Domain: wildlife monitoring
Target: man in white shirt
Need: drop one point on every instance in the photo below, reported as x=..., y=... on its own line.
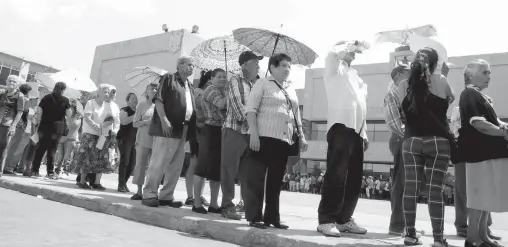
x=347, y=140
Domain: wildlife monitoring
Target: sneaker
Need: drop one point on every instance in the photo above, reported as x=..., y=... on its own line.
x=189, y=201
x=204, y=202
x=351, y=227
x=329, y=230
x=200, y=210
x=230, y=213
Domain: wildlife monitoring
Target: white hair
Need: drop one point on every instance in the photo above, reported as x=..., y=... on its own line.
x=101, y=87
x=15, y=77
x=183, y=59
x=473, y=67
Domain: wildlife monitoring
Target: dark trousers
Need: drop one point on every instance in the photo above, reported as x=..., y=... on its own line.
x=343, y=178
x=28, y=156
x=48, y=143
x=397, y=191
x=269, y=161
x=4, y=141
x=127, y=159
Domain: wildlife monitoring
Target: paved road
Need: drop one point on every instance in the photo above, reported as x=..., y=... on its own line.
x=26, y=221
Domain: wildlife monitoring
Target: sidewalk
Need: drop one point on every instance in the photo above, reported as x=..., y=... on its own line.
x=299, y=211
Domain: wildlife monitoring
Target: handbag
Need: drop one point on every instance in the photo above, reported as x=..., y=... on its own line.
x=454, y=147
x=60, y=127
x=294, y=149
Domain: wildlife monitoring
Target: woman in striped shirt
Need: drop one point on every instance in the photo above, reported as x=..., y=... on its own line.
x=274, y=127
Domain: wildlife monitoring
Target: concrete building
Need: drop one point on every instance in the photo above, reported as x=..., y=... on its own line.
x=378, y=158
x=10, y=65
x=111, y=61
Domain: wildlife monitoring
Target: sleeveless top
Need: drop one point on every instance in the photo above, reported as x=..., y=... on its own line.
x=127, y=131
x=429, y=120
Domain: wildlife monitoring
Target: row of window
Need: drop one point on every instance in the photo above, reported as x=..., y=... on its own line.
x=376, y=132
x=6, y=71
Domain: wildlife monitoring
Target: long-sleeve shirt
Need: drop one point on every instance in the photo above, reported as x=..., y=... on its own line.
x=346, y=93
x=274, y=116
x=237, y=92
x=393, y=111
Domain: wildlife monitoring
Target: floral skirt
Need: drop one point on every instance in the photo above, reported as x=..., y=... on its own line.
x=89, y=159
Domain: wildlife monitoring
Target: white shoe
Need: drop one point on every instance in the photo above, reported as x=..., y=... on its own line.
x=351, y=227
x=329, y=230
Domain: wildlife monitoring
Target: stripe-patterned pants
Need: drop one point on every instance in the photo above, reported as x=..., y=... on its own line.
x=425, y=157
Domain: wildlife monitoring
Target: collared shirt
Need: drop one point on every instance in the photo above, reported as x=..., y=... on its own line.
x=177, y=97
x=237, y=92
x=393, y=110
x=211, y=97
x=274, y=116
x=346, y=93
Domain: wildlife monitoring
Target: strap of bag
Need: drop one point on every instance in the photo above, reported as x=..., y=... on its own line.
x=289, y=104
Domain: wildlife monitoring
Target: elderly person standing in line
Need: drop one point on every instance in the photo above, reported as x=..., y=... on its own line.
x=173, y=122
x=234, y=132
x=12, y=104
x=483, y=146
x=275, y=134
x=126, y=140
x=347, y=141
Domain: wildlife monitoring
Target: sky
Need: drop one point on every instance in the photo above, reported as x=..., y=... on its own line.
x=64, y=33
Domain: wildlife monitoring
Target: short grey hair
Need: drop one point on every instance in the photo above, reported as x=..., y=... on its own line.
x=472, y=68
x=184, y=59
x=102, y=87
x=15, y=77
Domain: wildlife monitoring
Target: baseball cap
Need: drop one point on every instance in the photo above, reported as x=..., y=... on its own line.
x=246, y=56
x=399, y=68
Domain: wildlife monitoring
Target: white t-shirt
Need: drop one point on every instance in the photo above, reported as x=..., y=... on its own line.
x=99, y=113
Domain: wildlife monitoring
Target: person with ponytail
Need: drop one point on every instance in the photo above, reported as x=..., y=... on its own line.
x=425, y=98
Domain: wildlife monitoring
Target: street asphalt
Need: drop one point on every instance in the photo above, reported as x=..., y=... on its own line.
x=28, y=221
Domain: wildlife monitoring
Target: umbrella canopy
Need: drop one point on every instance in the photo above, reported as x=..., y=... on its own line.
x=75, y=80
x=402, y=36
x=220, y=52
x=139, y=77
x=267, y=43
x=46, y=80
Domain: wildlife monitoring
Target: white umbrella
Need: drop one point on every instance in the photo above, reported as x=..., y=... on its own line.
x=75, y=80
x=45, y=80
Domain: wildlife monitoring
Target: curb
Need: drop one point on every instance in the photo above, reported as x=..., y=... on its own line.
x=222, y=231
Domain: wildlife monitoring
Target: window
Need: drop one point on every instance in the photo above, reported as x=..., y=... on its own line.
x=4, y=73
x=14, y=72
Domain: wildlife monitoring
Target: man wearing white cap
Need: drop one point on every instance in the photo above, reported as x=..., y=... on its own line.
x=347, y=140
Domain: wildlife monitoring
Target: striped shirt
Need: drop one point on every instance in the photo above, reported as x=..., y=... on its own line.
x=237, y=92
x=274, y=116
x=211, y=97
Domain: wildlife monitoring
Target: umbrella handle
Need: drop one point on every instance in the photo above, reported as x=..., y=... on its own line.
x=274, y=47
x=225, y=58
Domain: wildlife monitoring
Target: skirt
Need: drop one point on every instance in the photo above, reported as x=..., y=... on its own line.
x=209, y=157
x=487, y=185
x=89, y=159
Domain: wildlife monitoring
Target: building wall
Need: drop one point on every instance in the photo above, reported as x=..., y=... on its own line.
x=10, y=65
x=377, y=77
x=111, y=61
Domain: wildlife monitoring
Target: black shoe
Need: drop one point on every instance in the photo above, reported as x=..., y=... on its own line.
x=151, y=202
x=257, y=225
x=27, y=174
x=51, y=176
x=7, y=172
x=98, y=187
x=200, y=210
x=136, y=197
x=277, y=225
x=171, y=203
x=469, y=244
x=189, y=201
x=214, y=210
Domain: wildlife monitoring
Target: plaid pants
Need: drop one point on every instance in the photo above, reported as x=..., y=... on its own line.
x=425, y=158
